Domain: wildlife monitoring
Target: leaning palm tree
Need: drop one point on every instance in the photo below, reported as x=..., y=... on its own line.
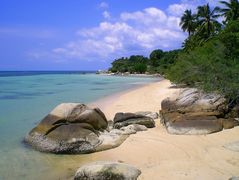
x=188, y=22
x=207, y=19
x=231, y=10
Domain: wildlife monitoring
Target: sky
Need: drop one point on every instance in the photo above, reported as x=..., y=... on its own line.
x=87, y=34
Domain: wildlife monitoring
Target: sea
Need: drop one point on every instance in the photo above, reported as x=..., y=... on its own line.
x=27, y=96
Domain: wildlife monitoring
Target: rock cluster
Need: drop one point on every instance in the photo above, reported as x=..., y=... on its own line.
x=73, y=128
x=194, y=112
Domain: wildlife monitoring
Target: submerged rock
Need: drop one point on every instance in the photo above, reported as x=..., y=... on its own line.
x=69, y=128
x=193, y=113
x=125, y=119
x=104, y=170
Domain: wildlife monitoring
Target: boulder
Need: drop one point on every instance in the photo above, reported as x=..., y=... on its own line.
x=153, y=115
x=125, y=119
x=111, y=139
x=104, y=170
x=177, y=123
x=115, y=137
x=193, y=100
x=193, y=112
x=70, y=128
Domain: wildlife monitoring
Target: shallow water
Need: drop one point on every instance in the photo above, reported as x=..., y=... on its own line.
x=26, y=98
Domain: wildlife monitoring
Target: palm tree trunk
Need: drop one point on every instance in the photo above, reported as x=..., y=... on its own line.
x=208, y=28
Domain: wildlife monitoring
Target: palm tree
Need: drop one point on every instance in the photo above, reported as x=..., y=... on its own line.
x=231, y=10
x=188, y=22
x=207, y=19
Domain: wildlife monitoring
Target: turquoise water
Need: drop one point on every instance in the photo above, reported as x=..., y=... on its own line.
x=26, y=98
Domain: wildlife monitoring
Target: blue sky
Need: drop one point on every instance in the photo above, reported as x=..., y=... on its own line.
x=86, y=34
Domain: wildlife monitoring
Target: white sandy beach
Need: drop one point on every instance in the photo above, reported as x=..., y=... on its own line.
x=156, y=153
x=160, y=155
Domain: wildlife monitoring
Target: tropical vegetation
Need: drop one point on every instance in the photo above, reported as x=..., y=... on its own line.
x=209, y=58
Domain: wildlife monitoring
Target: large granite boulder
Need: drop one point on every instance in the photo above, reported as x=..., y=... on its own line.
x=193, y=100
x=104, y=170
x=69, y=128
x=194, y=112
x=125, y=119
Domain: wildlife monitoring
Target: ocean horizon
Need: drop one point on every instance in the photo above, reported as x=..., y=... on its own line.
x=42, y=72
x=27, y=96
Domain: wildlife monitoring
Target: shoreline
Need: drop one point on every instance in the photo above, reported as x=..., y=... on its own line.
x=103, y=102
x=156, y=153
x=144, y=102
x=131, y=75
x=160, y=155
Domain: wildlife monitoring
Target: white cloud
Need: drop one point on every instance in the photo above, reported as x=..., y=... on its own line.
x=104, y=5
x=106, y=15
x=136, y=32
x=147, y=16
x=178, y=9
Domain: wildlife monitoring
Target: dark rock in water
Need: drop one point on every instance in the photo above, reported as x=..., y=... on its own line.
x=194, y=112
x=69, y=128
x=125, y=119
x=104, y=170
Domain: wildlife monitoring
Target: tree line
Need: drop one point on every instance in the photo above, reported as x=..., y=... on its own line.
x=209, y=58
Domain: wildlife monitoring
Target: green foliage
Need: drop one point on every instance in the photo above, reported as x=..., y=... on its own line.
x=167, y=60
x=230, y=10
x=210, y=58
x=205, y=26
x=207, y=20
x=119, y=65
x=210, y=55
x=158, y=62
x=155, y=57
x=208, y=67
x=188, y=22
x=140, y=68
x=230, y=38
x=192, y=42
x=132, y=64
